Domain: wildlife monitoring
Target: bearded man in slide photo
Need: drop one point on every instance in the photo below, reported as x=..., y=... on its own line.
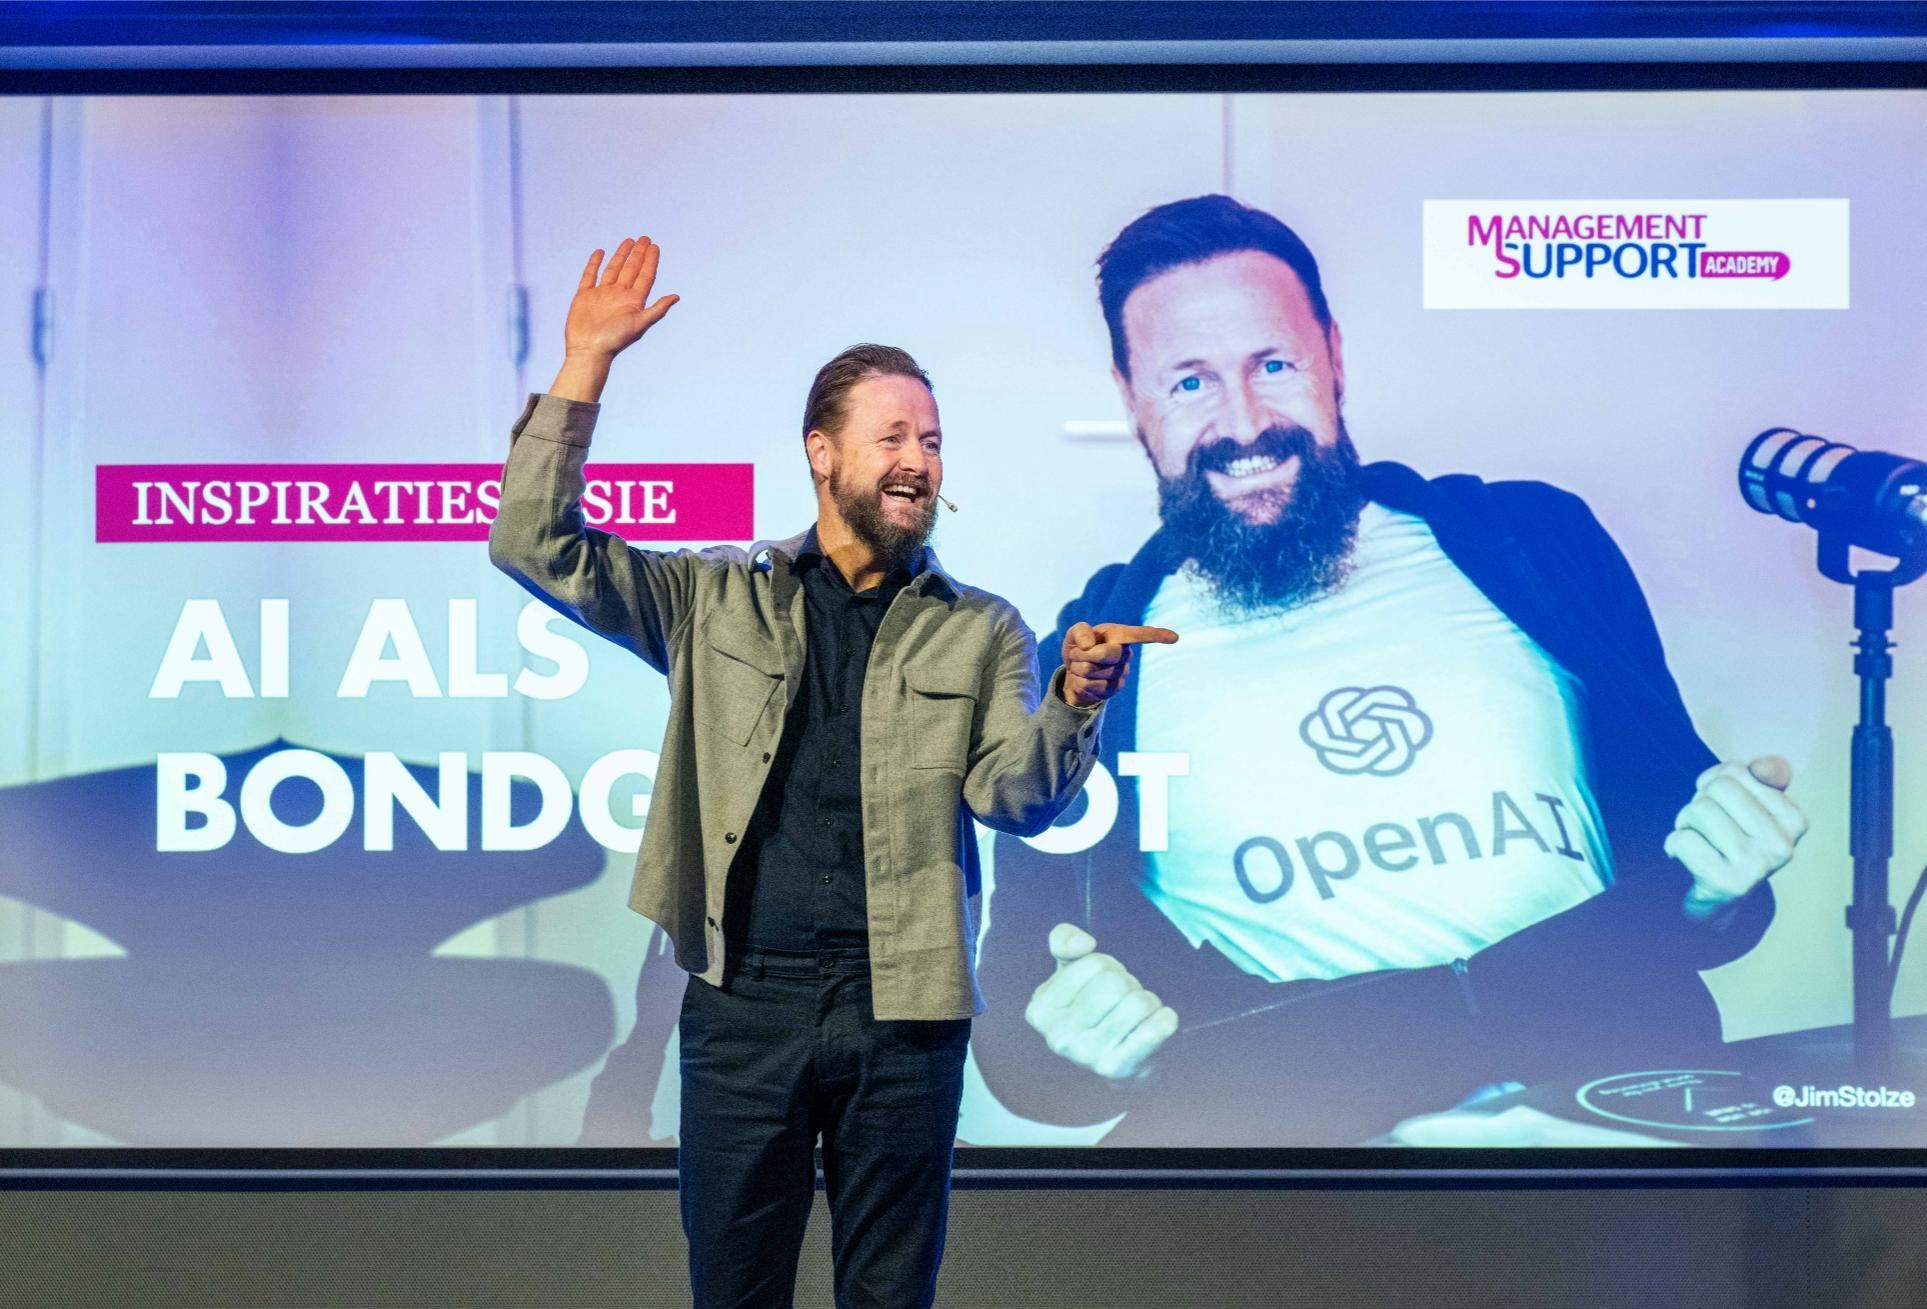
x=1415, y=812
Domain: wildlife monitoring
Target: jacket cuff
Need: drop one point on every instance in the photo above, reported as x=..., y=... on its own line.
x=1066, y=718
x=552, y=418
x=1753, y=914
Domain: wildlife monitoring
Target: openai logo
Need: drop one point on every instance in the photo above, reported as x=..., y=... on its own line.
x=1358, y=729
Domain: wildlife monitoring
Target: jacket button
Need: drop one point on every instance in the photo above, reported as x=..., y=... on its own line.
x=765, y=756
x=729, y=838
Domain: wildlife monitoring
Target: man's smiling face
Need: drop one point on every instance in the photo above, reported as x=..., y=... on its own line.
x=1231, y=368
x=887, y=465
x=1234, y=390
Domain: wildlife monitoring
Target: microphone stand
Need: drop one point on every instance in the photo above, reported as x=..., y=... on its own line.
x=1870, y=916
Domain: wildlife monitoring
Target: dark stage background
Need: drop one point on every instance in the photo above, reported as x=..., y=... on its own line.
x=1764, y=1247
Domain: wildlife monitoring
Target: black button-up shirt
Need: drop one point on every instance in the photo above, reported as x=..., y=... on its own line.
x=797, y=883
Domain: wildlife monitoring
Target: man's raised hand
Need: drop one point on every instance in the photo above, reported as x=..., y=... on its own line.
x=608, y=316
x=1097, y=659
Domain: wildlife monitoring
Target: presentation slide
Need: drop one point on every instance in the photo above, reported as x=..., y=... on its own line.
x=1497, y=792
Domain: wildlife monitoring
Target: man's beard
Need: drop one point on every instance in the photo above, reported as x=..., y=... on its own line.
x=894, y=544
x=1303, y=553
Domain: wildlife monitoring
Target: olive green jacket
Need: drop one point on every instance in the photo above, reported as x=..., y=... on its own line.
x=953, y=725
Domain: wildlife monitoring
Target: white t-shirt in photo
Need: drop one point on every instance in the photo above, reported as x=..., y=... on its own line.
x=1390, y=776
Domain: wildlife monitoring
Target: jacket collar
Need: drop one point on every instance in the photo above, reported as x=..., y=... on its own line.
x=1460, y=510
x=927, y=576
x=1467, y=538
x=1443, y=502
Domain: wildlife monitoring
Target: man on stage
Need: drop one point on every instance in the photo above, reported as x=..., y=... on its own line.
x=840, y=709
x=1416, y=810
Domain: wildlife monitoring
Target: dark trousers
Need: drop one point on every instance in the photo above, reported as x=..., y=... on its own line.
x=784, y=1051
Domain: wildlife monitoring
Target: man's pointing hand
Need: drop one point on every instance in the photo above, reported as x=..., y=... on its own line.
x=1097, y=659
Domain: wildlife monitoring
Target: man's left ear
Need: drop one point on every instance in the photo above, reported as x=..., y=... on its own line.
x=817, y=446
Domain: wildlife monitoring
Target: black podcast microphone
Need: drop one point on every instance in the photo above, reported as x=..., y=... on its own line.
x=1877, y=501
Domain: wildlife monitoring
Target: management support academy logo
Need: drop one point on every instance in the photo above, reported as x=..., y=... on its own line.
x=1635, y=254
x=1358, y=729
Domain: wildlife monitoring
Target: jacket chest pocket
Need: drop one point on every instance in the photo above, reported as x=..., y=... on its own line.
x=737, y=677
x=943, y=714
